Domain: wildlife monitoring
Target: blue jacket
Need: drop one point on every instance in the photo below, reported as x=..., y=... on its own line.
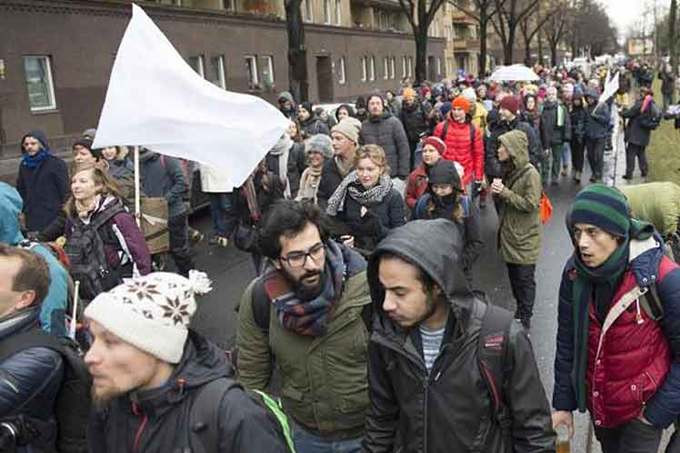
x=44, y=188
x=29, y=383
x=597, y=124
x=163, y=177
x=54, y=305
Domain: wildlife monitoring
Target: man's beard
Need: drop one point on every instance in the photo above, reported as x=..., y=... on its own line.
x=102, y=400
x=432, y=304
x=303, y=291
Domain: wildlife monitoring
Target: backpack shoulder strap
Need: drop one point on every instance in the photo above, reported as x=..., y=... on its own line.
x=492, y=351
x=204, y=414
x=651, y=303
x=107, y=215
x=31, y=339
x=276, y=408
x=261, y=305
x=445, y=130
x=473, y=131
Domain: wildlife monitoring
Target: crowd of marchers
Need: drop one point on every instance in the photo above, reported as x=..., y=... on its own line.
x=364, y=228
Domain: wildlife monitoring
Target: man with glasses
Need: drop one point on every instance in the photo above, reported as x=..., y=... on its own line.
x=311, y=310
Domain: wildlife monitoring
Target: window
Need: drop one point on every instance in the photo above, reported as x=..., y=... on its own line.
x=309, y=17
x=393, y=65
x=228, y=5
x=40, y=84
x=371, y=73
x=327, y=12
x=251, y=67
x=410, y=66
x=386, y=68
x=268, y=71
x=338, y=12
x=343, y=72
x=196, y=63
x=404, y=66
x=216, y=72
x=439, y=65
x=364, y=69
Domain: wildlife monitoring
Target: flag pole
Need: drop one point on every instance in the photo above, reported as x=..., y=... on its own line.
x=138, y=213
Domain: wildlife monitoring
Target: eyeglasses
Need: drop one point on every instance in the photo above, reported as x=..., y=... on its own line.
x=298, y=259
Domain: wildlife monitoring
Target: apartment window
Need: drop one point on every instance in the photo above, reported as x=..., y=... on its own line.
x=343, y=72
x=307, y=8
x=371, y=74
x=40, y=83
x=251, y=67
x=386, y=68
x=404, y=66
x=410, y=66
x=338, y=12
x=327, y=12
x=216, y=73
x=196, y=63
x=393, y=66
x=439, y=65
x=268, y=71
x=228, y=5
x=364, y=69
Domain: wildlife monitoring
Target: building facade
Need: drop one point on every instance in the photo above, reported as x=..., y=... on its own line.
x=56, y=56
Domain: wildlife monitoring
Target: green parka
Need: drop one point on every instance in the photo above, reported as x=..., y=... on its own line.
x=324, y=379
x=657, y=203
x=519, y=231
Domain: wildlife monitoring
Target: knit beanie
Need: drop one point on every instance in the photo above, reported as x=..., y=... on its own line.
x=469, y=95
x=319, y=143
x=444, y=109
x=308, y=106
x=437, y=143
x=349, y=127
x=89, y=133
x=87, y=143
x=510, y=103
x=444, y=172
x=461, y=103
x=602, y=206
x=409, y=94
x=152, y=312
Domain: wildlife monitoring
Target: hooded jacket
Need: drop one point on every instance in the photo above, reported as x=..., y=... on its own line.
x=292, y=113
x=158, y=420
x=54, y=306
x=519, y=230
x=597, y=122
x=388, y=132
x=414, y=118
x=412, y=411
x=499, y=127
x=162, y=176
x=43, y=188
x=635, y=133
x=459, y=147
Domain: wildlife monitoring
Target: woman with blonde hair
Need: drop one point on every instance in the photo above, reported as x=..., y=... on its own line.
x=365, y=204
x=103, y=241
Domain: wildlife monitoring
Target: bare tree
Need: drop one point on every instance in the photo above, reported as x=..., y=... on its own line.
x=297, y=51
x=483, y=13
x=556, y=27
x=510, y=14
x=531, y=25
x=672, y=17
x=420, y=14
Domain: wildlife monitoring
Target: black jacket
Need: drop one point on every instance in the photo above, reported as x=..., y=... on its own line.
x=634, y=132
x=551, y=133
x=158, y=420
x=578, y=117
x=330, y=180
x=667, y=82
x=414, y=120
x=296, y=165
x=492, y=165
x=446, y=410
x=313, y=126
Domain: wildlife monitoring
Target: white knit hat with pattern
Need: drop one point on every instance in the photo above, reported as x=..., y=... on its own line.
x=151, y=312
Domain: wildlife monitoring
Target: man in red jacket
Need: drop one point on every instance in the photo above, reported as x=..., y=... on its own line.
x=463, y=143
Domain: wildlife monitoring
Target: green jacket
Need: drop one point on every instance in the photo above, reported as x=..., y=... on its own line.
x=519, y=231
x=657, y=203
x=325, y=383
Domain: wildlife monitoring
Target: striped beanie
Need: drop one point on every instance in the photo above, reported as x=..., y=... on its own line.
x=602, y=206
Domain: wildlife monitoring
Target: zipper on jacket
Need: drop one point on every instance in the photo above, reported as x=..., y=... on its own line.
x=140, y=430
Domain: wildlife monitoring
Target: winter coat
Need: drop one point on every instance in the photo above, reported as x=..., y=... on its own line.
x=162, y=176
x=313, y=125
x=381, y=218
x=459, y=148
x=479, y=117
x=519, y=230
x=447, y=410
x=578, y=117
x=635, y=133
x=53, y=308
x=417, y=185
x=158, y=420
x=667, y=82
x=388, y=132
x=500, y=127
x=124, y=242
x=119, y=168
x=597, y=124
x=123, y=173
x=657, y=203
x=632, y=372
x=414, y=119
x=30, y=383
x=551, y=133
x=265, y=198
x=292, y=113
x=297, y=162
x=330, y=180
x=44, y=188
x=215, y=180
x=324, y=383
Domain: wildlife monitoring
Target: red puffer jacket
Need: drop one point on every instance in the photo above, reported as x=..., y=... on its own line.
x=632, y=361
x=460, y=149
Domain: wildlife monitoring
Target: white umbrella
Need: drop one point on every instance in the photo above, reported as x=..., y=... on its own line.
x=516, y=72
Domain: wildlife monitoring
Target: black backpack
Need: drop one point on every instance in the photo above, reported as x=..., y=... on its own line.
x=650, y=118
x=85, y=250
x=72, y=406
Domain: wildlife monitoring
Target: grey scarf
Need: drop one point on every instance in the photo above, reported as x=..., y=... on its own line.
x=364, y=197
x=282, y=149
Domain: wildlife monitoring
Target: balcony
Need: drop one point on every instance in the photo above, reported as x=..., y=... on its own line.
x=466, y=45
x=459, y=17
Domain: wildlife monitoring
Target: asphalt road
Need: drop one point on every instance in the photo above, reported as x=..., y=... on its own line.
x=232, y=270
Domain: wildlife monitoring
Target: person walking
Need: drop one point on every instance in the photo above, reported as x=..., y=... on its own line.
x=578, y=117
x=637, y=136
x=318, y=149
x=596, y=132
x=345, y=139
x=415, y=118
x=433, y=148
x=214, y=183
x=667, y=85
x=555, y=131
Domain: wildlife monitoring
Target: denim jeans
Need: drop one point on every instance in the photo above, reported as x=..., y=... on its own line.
x=632, y=437
x=309, y=443
x=222, y=214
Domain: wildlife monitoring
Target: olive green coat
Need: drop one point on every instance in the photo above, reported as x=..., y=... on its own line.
x=519, y=231
x=657, y=203
x=325, y=383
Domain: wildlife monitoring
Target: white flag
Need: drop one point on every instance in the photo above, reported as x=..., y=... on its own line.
x=156, y=100
x=610, y=88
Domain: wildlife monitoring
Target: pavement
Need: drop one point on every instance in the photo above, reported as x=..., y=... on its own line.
x=232, y=270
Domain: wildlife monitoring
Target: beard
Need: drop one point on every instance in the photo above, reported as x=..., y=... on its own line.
x=102, y=398
x=303, y=291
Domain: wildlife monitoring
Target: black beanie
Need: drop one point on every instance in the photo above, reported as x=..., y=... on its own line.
x=308, y=106
x=87, y=143
x=444, y=172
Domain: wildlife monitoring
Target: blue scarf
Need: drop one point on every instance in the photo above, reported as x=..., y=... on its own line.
x=33, y=161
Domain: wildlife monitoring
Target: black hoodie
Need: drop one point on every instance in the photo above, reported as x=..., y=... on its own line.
x=447, y=410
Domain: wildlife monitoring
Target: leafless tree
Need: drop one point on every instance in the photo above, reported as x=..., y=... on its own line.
x=532, y=24
x=297, y=51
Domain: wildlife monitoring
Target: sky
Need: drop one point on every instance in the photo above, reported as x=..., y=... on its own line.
x=624, y=13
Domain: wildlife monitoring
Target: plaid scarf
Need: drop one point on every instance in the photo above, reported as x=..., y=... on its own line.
x=308, y=317
x=351, y=186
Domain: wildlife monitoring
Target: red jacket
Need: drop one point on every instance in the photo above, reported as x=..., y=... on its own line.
x=460, y=149
x=633, y=358
x=416, y=187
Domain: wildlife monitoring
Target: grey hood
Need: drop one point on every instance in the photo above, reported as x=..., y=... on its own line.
x=436, y=247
